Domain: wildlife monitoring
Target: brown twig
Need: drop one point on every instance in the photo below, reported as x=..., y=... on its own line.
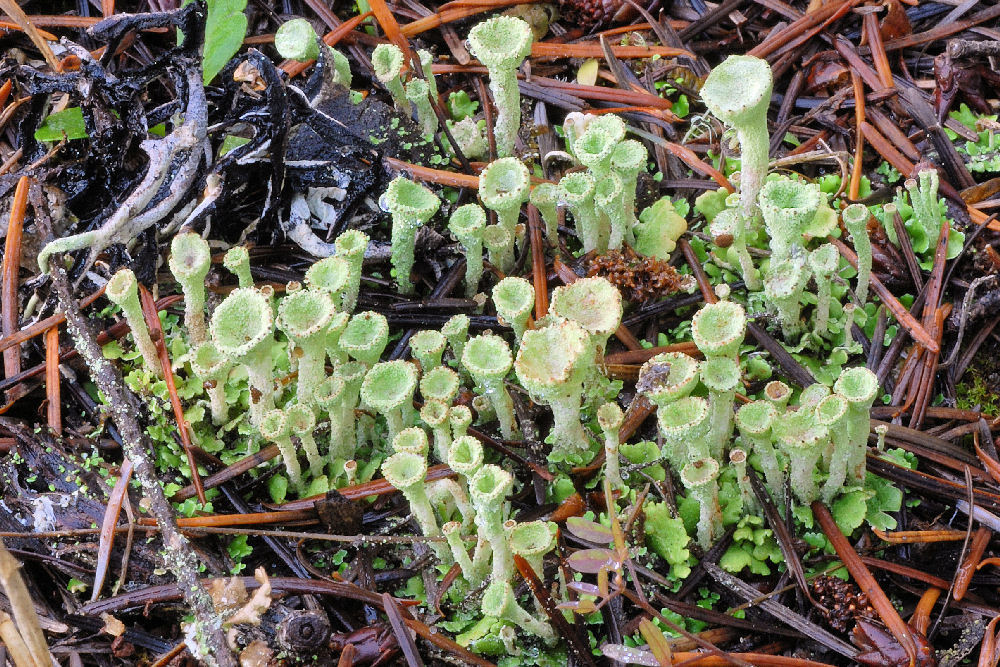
x=9, y=301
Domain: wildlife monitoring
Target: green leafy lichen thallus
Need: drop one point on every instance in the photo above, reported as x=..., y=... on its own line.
x=212, y=368
x=365, y=337
x=503, y=188
x=387, y=61
x=123, y=290
x=721, y=375
x=859, y=387
x=241, y=330
x=418, y=92
x=274, y=428
x=488, y=360
x=823, y=262
x=514, y=297
x=577, y=190
x=501, y=44
x=855, y=217
x=427, y=347
x=237, y=261
x=351, y=245
x=488, y=489
x=388, y=388
x=304, y=316
x=499, y=244
x=467, y=223
x=411, y=205
x=190, y=259
x=610, y=418
x=551, y=364
x=545, y=197
x=754, y=421
x=406, y=472
x=738, y=92
x=699, y=478
x=301, y=424
x=296, y=40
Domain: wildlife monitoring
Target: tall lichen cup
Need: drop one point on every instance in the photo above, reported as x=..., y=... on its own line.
x=488, y=360
x=406, y=471
x=514, y=298
x=388, y=387
x=123, y=290
x=411, y=205
x=387, y=61
x=788, y=206
x=190, y=259
x=699, y=478
x=304, y=317
x=503, y=188
x=351, y=245
x=856, y=218
x=365, y=337
x=718, y=328
x=859, y=386
x=467, y=224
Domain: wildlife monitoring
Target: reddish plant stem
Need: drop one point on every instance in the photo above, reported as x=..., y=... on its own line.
x=538, y=272
x=977, y=547
x=10, y=270
x=53, y=395
x=859, y=146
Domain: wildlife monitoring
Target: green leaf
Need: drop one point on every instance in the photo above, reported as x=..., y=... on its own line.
x=76, y=586
x=231, y=142
x=225, y=28
x=849, y=511
x=460, y=105
x=67, y=123
x=277, y=486
x=735, y=559
x=238, y=548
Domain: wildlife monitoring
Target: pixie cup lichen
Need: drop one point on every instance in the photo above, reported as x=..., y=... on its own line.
x=514, y=297
x=301, y=424
x=427, y=347
x=788, y=206
x=241, y=330
x=684, y=427
x=419, y=93
x=718, y=328
x=501, y=44
x=406, y=472
x=190, y=259
x=488, y=360
x=304, y=317
x=439, y=384
x=296, y=40
x=803, y=439
x=387, y=61
x=545, y=197
x=577, y=190
x=668, y=377
x=499, y=242
x=754, y=421
x=855, y=218
x=274, y=427
x=388, y=387
x=351, y=245
x=721, y=375
x=699, y=478
x=123, y=291
x=503, y=188
x=212, y=368
x=467, y=224
x=489, y=488
x=330, y=275
x=859, y=387
x=237, y=261
x=411, y=205
x=365, y=337
x=610, y=418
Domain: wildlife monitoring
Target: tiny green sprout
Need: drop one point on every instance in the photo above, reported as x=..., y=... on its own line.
x=777, y=394
x=212, y=368
x=190, y=259
x=460, y=418
x=684, y=426
x=427, y=347
x=467, y=224
x=304, y=317
x=788, y=206
x=365, y=337
x=832, y=413
x=610, y=418
x=274, y=428
x=123, y=290
x=783, y=287
x=545, y=197
x=439, y=384
x=823, y=261
x=456, y=330
x=500, y=244
x=531, y=540
x=503, y=188
x=411, y=205
x=859, y=387
x=241, y=328
x=453, y=533
x=514, y=298
x=721, y=375
x=738, y=92
x=296, y=40
x=577, y=190
x=413, y=440
x=388, y=387
x=699, y=478
x=301, y=424
x=406, y=471
x=803, y=438
x=855, y=218
x=351, y=245
x=434, y=413
x=608, y=197
x=488, y=360
x=418, y=92
x=330, y=275
x=667, y=377
x=498, y=602
x=718, y=328
x=387, y=61
x=488, y=489
x=501, y=44
x=237, y=261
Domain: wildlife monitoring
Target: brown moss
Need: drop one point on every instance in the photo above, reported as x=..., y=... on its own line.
x=638, y=278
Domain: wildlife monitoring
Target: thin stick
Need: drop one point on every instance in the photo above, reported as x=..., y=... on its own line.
x=23, y=608
x=52, y=388
x=11, y=268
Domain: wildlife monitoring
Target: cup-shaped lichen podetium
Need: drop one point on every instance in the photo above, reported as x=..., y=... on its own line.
x=411, y=205
x=406, y=471
x=738, y=92
x=296, y=40
x=123, y=290
x=304, y=317
x=190, y=259
x=627, y=160
x=718, y=329
x=754, y=420
x=365, y=337
x=577, y=189
x=330, y=275
x=274, y=428
x=531, y=540
x=413, y=440
x=777, y=394
x=594, y=148
x=351, y=245
x=667, y=377
x=684, y=426
x=831, y=412
x=783, y=287
x=503, y=188
x=427, y=347
x=465, y=456
x=610, y=418
x=488, y=360
x=467, y=224
x=212, y=368
x=545, y=197
x=721, y=375
x=498, y=602
x=388, y=388
x=551, y=364
x=237, y=261
x=514, y=298
x=608, y=195
x=241, y=329
x=456, y=330
x=301, y=424
x=803, y=439
x=858, y=386
x=856, y=218
x=823, y=262
x=489, y=489
x=419, y=93
x=387, y=61
x=593, y=303
x=788, y=206
x=439, y=384
x=500, y=244
x=434, y=413
x=501, y=44
x=699, y=478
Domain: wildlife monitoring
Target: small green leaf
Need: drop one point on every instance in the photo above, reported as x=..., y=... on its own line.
x=461, y=106
x=277, y=486
x=67, y=123
x=76, y=586
x=225, y=28
x=849, y=511
x=231, y=142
